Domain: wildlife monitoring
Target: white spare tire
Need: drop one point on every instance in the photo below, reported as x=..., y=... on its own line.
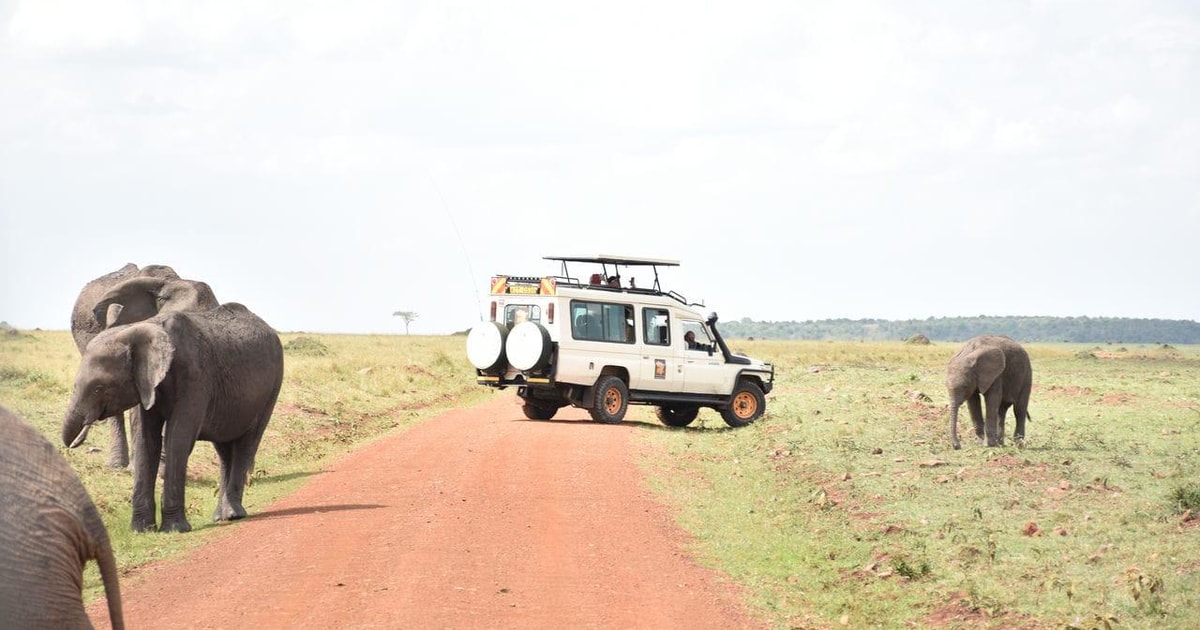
x=485, y=346
x=528, y=346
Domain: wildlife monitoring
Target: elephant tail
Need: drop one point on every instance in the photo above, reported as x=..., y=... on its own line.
x=112, y=588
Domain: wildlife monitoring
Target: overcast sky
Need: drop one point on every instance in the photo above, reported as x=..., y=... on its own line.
x=329, y=163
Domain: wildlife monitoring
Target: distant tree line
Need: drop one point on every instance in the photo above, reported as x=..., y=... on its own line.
x=1026, y=329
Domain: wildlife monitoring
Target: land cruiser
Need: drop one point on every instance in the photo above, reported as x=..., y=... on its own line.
x=605, y=343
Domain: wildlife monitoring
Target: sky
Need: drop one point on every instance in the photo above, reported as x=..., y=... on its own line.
x=330, y=163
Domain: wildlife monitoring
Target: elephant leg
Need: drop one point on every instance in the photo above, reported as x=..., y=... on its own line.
x=177, y=449
x=237, y=463
x=991, y=421
x=146, y=430
x=1003, y=417
x=973, y=405
x=229, y=507
x=1021, y=411
x=118, y=443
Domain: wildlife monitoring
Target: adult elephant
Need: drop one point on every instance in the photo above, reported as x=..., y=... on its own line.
x=49, y=529
x=85, y=326
x=209, y=375
x=998, y=369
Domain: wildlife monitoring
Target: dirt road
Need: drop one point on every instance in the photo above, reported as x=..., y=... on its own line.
x=477, y=518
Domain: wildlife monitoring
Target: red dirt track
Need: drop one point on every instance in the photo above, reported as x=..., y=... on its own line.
x=477, y=518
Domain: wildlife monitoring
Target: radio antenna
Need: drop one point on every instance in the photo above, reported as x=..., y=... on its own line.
x=461, y=245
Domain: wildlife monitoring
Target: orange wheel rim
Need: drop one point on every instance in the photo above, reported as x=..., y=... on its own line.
x=612, y=400
x=744, y=405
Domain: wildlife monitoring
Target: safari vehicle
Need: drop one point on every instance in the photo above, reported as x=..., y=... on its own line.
x=604, y=343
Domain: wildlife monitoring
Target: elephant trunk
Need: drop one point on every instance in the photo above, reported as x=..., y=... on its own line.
x=75, y=428
x=955, y=402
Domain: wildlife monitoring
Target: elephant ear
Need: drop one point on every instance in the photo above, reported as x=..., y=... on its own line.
x=186, y=295
x=989, y=365
x=138, y=296
x=151, y=350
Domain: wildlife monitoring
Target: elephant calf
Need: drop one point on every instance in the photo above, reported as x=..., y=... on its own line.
x=49, y=529
x=997, y=368
x=212, y=375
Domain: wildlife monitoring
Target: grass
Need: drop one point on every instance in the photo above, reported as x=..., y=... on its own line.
x=843, y=507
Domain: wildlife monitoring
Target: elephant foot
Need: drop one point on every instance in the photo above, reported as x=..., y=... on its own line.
x=228, y=513
x=118, y=463
x=180, y=526
x=143, y=525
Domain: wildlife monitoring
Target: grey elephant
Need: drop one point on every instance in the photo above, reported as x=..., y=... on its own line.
x=125, y=296
x=998, y=369
x=209, y=375
x=49, y=529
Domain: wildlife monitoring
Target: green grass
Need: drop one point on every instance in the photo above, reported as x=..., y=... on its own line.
x=847, y=504
x=843, y=507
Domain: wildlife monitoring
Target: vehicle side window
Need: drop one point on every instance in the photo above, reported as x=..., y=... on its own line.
x=602, y=321
x=695, y=336
x=516, y=313
x=656, y=326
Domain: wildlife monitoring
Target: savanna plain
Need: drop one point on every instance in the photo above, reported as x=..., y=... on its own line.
x=844, y=506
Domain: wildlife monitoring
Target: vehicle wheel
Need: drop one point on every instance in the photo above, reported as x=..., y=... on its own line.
x=485, y=346
x=611, y=401
x=746, y=405
x=539, y=412
x=528, y=346
x=677, y=415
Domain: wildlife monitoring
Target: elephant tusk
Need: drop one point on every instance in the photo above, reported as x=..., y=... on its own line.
x=82, y=435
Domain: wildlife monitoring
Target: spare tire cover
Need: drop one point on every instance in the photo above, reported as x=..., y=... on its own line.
x=485, y=346
x=528, y=346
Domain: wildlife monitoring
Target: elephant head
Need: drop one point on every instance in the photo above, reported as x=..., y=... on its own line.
x=120, y=368
x=143, y=297
x=49, y=530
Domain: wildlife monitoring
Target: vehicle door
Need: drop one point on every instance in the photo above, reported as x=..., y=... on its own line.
x=702, y=365
x=659, y=369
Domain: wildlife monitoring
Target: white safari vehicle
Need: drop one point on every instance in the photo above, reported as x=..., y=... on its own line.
x=605, y=342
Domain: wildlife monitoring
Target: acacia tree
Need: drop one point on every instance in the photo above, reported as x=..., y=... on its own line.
x=407, y=316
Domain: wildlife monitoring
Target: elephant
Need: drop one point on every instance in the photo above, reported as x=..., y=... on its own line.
x=125, y=296
x=997, y=368
x=85, y=326
x=193, y=375
x=49, y=530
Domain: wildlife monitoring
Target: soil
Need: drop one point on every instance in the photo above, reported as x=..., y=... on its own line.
x=477, y=518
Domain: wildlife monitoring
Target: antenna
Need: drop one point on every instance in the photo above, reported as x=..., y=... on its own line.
x=458, y=235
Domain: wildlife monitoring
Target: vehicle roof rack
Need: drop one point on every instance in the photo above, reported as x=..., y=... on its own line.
x=606, y=259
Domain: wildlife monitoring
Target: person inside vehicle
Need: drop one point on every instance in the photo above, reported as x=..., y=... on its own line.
x=614, y=282
x=690, y=338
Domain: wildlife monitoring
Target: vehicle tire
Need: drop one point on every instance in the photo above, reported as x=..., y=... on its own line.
x=677, y=415
x=611, y=400
x=539, y=412
x=485, y=347
x=528, y=346
x=745, y=406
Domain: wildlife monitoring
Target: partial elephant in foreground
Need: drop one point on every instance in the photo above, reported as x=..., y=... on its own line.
x=130, y=295
x=49, y=529
x=998, y=369
x=211, y=375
